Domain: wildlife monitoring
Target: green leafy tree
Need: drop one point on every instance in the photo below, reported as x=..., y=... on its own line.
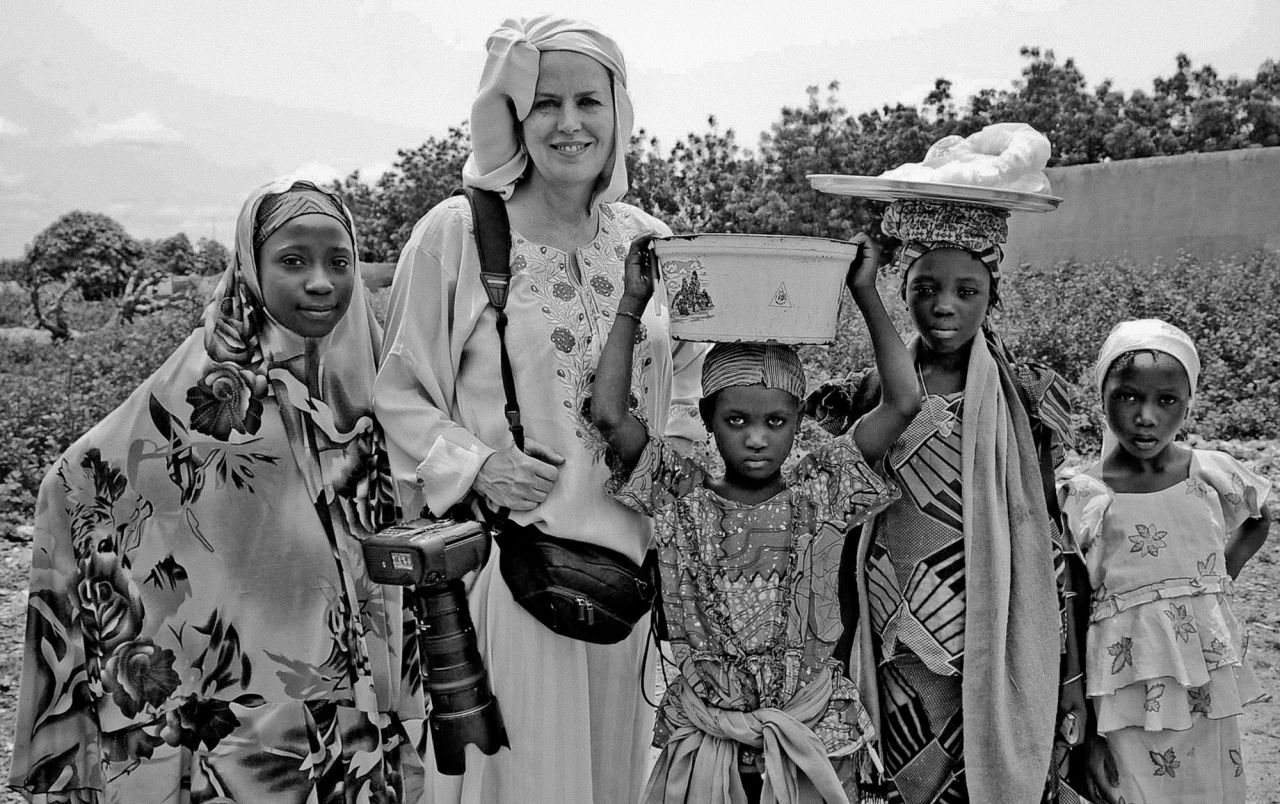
x=654, y=187
x=386, y=210
x=211, y=257
x=88, y=249
x=717, y=182
x=710, y=181
x=172, y=255
x=81, y=251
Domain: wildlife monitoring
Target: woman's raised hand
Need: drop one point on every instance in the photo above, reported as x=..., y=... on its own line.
x=640, y=274
x=862, y=271
x=518, y=480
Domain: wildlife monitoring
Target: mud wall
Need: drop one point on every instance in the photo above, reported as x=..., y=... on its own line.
x=1214, y=205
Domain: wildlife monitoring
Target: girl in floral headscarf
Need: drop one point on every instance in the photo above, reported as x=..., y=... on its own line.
x=200, y=622
x=952, y=594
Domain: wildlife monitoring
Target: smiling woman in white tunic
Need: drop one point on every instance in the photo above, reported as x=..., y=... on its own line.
x=550, y=128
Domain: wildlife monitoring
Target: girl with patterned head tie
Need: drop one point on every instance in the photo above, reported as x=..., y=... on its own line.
x=950, y=597
x=1164, y=530
x=550, y=127
x=759, y=710
x=200, y=625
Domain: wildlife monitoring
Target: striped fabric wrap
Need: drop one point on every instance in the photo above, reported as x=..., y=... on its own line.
x=772, y=365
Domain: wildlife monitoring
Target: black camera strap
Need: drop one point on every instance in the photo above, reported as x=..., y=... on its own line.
x=493, y=243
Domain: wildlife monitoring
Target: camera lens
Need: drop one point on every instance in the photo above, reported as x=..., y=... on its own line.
x=463, y=709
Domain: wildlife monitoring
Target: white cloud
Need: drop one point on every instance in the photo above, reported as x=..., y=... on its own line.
x=26, y=198
x=371, y=173
x=318, y=172
x=8, y=180
x=143, y=128
x=8, y=128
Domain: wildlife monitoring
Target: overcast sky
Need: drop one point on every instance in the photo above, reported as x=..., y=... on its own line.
x=165, y=114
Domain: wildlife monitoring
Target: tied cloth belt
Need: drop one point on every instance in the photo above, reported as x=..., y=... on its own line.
x=700, y=762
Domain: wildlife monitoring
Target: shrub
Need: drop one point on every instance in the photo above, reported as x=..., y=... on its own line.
x=50, y=394
x=1230, y=308
x=1060, y=315
x=15, y=306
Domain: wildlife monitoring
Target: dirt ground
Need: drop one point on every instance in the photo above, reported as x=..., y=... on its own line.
x=1257, y=605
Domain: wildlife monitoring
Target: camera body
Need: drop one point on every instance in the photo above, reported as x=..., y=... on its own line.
x=426, y=552
x=430, y=558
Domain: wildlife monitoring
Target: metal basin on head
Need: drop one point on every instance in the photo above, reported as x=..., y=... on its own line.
x=740, y=287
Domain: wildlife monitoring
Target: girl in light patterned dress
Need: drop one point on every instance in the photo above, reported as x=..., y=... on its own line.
x=1164, y=530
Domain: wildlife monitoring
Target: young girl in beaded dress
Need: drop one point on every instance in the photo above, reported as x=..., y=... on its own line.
x=749, y=561
x=1164, y=530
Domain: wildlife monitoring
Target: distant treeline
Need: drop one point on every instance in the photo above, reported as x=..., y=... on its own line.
x=711, y=182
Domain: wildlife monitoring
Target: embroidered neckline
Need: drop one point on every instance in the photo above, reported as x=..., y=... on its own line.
x=603, y=228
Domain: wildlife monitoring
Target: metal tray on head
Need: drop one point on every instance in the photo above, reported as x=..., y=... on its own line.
x=878, y=188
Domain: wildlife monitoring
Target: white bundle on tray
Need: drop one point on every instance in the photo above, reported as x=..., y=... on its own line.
x=1004, y=156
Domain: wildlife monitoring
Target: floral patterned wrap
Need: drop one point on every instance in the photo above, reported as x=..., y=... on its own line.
x=200, y=624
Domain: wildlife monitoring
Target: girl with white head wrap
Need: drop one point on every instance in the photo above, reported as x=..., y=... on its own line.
x=1144, y=334
x=578, y=725
x=1164, y=529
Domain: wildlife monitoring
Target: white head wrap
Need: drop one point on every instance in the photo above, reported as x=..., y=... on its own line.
x=497, y=159
x=1145, y=334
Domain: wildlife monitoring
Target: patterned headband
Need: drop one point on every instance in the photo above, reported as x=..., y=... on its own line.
x=277, y=210
x=769, y=364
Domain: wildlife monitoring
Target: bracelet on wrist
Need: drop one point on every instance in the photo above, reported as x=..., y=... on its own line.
x=1073, y=679
x=629, y=314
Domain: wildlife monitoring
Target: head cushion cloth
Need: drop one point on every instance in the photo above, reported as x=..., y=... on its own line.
x=923, y=226
x=498, y=160
x=771, y=365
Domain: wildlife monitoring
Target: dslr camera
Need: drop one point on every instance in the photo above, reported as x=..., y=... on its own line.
x=431, y=556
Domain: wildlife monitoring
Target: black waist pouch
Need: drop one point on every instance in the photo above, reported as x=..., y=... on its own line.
x=579, y=590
